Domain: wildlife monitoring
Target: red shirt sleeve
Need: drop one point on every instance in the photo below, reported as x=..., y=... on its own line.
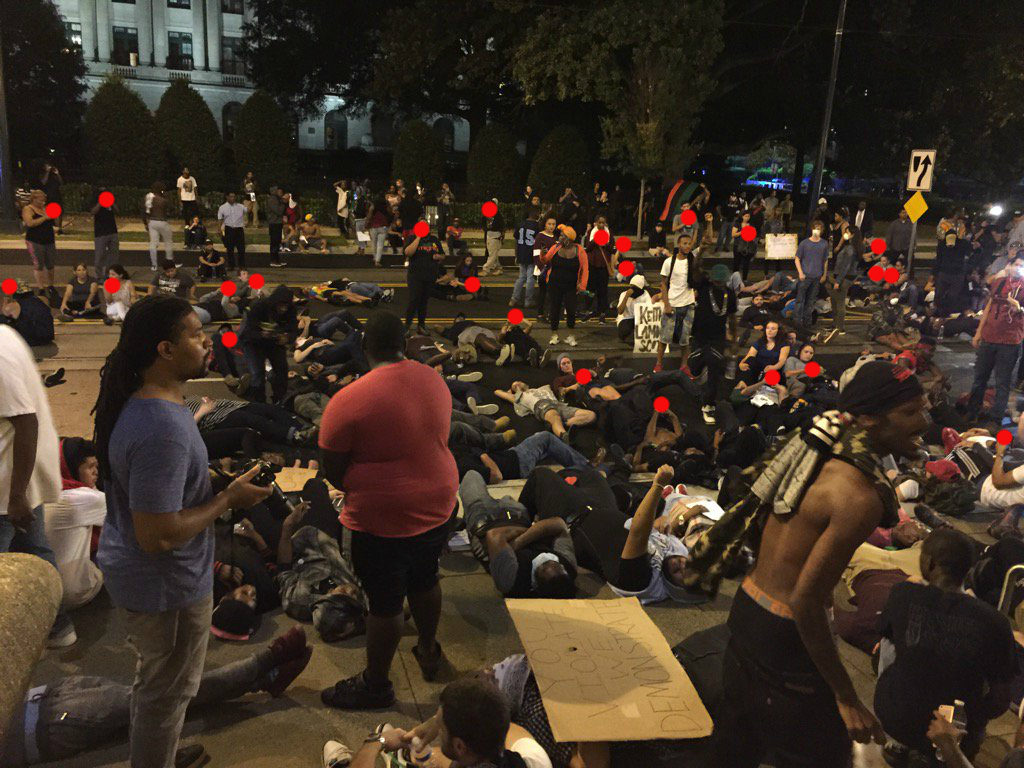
x=337, y=427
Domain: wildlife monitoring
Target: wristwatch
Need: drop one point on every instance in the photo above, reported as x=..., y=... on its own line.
x=374, y=737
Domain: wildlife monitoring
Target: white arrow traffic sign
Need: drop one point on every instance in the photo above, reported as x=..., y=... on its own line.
x=921, y=171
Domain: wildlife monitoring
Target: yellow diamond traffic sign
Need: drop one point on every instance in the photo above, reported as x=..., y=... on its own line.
x=915, y=206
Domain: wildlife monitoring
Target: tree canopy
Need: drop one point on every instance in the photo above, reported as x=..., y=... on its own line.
x=43, y=76
x=418, y=155
x=493, y=167
x=264, y=143
x=120, y=137
x=189, y=136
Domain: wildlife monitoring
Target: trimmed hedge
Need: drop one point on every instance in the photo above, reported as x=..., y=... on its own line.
x=494, y=167
x=120, y=136
x=189, y=136
x=418, y=155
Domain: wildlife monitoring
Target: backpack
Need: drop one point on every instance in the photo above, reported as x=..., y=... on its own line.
x=953, y=498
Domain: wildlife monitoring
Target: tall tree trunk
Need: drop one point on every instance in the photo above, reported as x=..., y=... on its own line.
x=640, y=208
x=798, y=171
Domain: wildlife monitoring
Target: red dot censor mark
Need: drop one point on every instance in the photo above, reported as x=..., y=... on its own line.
x=688, y=218
x=228, y=288
x=9, y=286
x=229, y=339
x=748, y=233
x=111, y=285
x=623, y=244
x=661, y=404
x=53, y=210
x=771, y=378
x=422, y=229
x=877, y=273
x=812, y=369
x=892, y=275
x=489, y=209
x=106, y=199
x=256, y=282
x=515, y=316
x=473, y=285
x=584, y=377
x=1004, y=437
x=627, y=268
x=601, y=237
x=878, y=246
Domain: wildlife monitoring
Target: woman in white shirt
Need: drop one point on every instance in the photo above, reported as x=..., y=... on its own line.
x=70, y=520
x=625, y=321
x=118, y=302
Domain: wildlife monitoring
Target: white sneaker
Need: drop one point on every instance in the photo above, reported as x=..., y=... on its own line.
x=471, y=377
x=553, y=340
x=489, y=409
x=570, y=340
x=708, y=412
x=504, y=355
x=336, y=755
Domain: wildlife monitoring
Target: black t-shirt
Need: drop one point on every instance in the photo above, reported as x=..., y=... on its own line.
x=104, y=222
x=714, y=306
x=754, y=316
x=178, y=285
x=656, y=239
x=422, y=263
x=949, y=646
x=80, y=291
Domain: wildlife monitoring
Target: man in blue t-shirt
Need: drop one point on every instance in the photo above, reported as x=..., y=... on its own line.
x=526, y=235
x=156, y=549
x=811, y=257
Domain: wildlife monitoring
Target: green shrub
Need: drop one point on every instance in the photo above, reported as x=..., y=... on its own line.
x=264, y=143
x=493, y=166
x=561, y=161
x=120, y=136
x=189, y=136
x=418, y=156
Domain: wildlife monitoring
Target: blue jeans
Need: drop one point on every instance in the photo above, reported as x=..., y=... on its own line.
x=806, y=295
x=369, y=290
x=526, y=278
x=999, y=357
x=544, y=446
x=724, y=236
x=31, y=541
x=328, y=325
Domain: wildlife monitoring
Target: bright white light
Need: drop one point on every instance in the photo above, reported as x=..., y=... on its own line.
x=995, y=210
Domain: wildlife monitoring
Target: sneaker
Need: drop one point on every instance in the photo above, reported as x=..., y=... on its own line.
x=553, y=340
x=684, y=368
x=64, y=317
x=997, y=529
x=471, y=377
x=930, y=517
x=489, y=409
x=108, y=320
x=504, y=355
x=192, y=756
x=657, y=368
x=545, y=357
x=430, y=665
x=63, y=633
x=55, y=378
x=513, y=303
x=284, y=674
x=829, y=335
x=389, y=295
x=708, y=412
x=533, y=358
x=336, y=755
x=508, y=436
x=355, y=693
x=276, y=263
x=570, y=340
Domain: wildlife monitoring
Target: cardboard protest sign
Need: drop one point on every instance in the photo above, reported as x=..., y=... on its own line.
x=648, y=326
x=606, y=673
x=779, y=247
x=291, y=479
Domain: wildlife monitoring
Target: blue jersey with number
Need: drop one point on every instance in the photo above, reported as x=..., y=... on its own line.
x=526, y=236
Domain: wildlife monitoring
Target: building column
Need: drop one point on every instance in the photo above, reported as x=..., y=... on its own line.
x=144, y=25
x=214, y=32
x=87, y=20
x=104, y=32
x=160, y=32
x=198, y=35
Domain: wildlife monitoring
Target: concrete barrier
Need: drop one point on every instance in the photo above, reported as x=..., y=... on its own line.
x=30, y=594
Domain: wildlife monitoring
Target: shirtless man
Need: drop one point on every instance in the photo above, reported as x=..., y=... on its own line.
x=310, y=235
x=787, y=691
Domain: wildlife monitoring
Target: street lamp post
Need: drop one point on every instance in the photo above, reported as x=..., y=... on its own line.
x=7, y=220
x=814, y=191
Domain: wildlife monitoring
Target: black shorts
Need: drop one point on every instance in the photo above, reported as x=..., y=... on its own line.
x=391, y=568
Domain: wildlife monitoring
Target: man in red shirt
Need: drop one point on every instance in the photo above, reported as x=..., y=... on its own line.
x=384, y=441
x=998, y=340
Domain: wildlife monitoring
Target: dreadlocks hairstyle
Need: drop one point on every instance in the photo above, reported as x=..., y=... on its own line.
x=148, y=322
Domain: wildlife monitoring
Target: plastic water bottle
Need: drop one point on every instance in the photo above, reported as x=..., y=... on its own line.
x=420, y=752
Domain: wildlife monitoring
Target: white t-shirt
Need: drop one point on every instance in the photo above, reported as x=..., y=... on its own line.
x=69, y=522
x=1003, y=498
x=342, y=202
x=659, y=546
x=187, y=188
x=21, y=393
x=680, y=294
x=532, y=752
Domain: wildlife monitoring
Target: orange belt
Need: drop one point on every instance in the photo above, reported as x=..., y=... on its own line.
x=765, y=600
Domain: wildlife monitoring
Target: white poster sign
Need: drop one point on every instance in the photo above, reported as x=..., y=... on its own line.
x=779, y=247
x=648, y=327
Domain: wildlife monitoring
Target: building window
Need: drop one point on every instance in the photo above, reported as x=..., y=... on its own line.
x=231, y=61
x=232, y=6
x=228, y=116
x=73, y=32
x=179, y=3
x=335, y=130
x=444, y=129
x=179, y=50
x=126, y=42
x=126, y=2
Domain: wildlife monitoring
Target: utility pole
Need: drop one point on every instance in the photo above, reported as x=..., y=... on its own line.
x=814, y=191
x=7, y=220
